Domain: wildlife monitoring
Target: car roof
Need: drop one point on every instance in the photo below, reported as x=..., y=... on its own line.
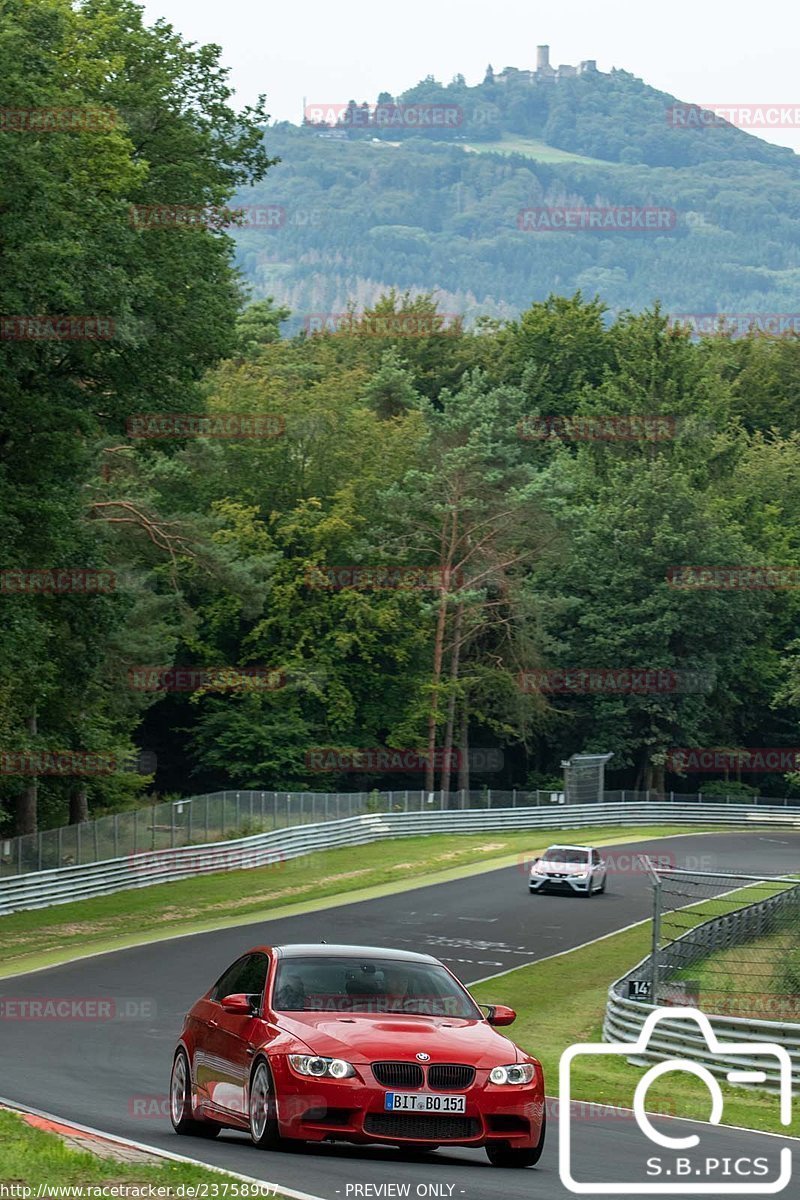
x=338, y=950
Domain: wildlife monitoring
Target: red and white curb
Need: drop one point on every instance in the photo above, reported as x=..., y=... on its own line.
x=88, y=1137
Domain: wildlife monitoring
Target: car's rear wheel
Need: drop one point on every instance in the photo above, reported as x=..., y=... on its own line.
x=263, y=1109
x=180, y=1101
x=501, y=1154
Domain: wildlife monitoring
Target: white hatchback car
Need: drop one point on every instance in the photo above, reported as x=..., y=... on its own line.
x=576, y=869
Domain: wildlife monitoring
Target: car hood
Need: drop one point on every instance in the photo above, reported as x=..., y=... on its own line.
x=554, y=868
x=366, y=1038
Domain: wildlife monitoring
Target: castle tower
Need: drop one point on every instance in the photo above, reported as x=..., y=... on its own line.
x=542, y=58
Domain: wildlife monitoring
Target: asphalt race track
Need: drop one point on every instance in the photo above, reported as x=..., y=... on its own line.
x=113, y=1074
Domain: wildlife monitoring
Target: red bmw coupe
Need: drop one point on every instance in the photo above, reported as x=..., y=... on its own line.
x=355, y=1044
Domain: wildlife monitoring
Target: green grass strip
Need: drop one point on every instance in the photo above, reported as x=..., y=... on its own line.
x=33, y=1158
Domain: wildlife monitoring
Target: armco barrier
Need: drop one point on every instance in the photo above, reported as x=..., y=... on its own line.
x=681, y=1038
x=61, y=885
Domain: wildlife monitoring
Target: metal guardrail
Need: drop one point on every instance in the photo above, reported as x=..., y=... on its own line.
x=61, y=885
x=224, y=816
x=681, y=1038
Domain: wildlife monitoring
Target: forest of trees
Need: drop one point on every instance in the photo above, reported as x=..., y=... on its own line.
x=402, y=440
x=439, y=210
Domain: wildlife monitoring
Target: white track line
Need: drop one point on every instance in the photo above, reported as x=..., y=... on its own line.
x=277, y=1189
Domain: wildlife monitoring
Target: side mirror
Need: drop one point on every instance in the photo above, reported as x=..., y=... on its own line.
x=240, y=1004
x=500, y=1014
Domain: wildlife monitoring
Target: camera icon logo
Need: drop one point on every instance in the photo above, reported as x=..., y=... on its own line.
x=725, y=1054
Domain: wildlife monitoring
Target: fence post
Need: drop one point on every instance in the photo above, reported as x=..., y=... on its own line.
x=172, y=828
x=207, y=815
x=40, y=849
x=656, y=941
x=153, y=828
x=623, y=795
x=77, y=844
x=189, y=823
x=514, y=798
x=116, y=835
x=96, y=852
x=60, y=854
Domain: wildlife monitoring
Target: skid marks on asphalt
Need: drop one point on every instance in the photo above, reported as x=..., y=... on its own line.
x=439, y=942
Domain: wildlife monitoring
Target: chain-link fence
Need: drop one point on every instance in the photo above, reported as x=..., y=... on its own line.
x=725, y=943
x=223, y=816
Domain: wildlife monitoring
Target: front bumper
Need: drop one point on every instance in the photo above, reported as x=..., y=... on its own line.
x=353, y=1110
x=562, y=883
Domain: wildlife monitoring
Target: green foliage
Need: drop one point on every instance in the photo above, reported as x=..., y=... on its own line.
x=391, y=207
x=166, y=298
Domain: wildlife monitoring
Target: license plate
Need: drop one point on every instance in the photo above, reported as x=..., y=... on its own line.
x=424, y=1102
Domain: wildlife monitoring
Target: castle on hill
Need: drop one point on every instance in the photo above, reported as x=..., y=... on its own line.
x=544, y=73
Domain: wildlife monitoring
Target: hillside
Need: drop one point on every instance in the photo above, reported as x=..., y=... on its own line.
x=367, y=205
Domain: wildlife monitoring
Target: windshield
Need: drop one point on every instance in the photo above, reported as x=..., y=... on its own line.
x=561, y=854
x=369, y=985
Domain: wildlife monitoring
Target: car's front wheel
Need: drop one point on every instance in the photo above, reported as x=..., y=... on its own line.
x=263, y=1109
x=502, y=1155
x=180, y=1101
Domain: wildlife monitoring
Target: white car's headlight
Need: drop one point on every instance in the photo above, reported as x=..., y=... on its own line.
x=515, y=1073
x=316, y=1065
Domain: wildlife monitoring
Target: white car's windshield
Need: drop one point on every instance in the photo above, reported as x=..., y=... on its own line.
x=369, y=985
x=564, y=855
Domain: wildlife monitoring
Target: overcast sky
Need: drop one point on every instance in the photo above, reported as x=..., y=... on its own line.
x=718, y=52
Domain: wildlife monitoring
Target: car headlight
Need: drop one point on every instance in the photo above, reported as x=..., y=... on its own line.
x=316, y=1065
x=580, y=875
x=515, y=1073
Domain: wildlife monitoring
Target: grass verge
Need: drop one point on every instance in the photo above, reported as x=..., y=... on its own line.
x=562, y=1001
x=43, y=937
x=32, y=1158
